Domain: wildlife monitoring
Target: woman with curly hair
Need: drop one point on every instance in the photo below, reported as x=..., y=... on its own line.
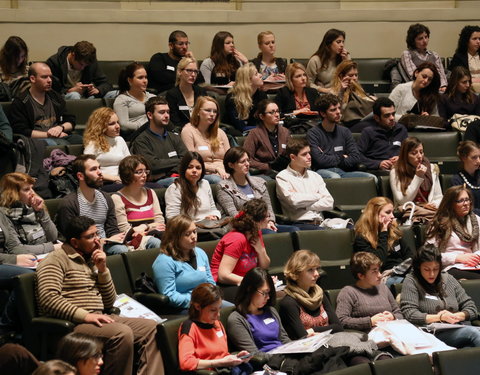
x=14, y=65
x=467, y=53
x=220, y=68
x=377, y=232
x=455, y=231
x=242, y=249
x=102, y=139
x=203, y=135
x=324, y=61
x=242, y=100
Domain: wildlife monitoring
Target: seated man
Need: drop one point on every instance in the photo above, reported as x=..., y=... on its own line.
x=162, y=69
x=334, y=151
x=302, y=192
x=74, y=283
x=40, y=112
x=380, y=143
x=162, y=149
x=76, y=73
x=91, y=202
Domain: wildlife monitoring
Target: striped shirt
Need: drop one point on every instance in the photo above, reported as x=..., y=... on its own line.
x=97, y=210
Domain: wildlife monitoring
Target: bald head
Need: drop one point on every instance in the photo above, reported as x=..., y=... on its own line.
x=40, y=77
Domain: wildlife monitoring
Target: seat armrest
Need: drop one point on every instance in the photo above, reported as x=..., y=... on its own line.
x=54, y=325
x=330, y=214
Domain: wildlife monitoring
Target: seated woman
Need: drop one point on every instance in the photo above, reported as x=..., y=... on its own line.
x=267, y=143
x=297, y=96
x=14, y=66
x=413, y=178
x=469, y=176
x=454, y=230
x=240, y=187
x=84, y=352
x=467, y=54
x=202, y=340
x=191, y=195
x=322, y=64
x=242, y=100
x=102, y=139
x=377, y=232
x=430, y=295
x=355, y=102
x=242, y=249
x=419, y=96
x=459, y=97
x=34, y=230
x=306, y=309
x=181, y=265
x=418, y=36
x=270, y=67
x=130, y=104
x=203, y=135
x=220, y=68
x=136, y=206
x=184, y=95
x=363, y=305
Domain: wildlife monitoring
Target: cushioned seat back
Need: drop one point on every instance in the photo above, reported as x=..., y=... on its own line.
x=361, y=369
x=472, y=288
x=418, y=364
x=112, y=70
x=208, y=247
x=140, y=261
x=445, y=181
x=279, y=248
x=168, y=342
x=333, y=246
x=409, y=237
x=52, y=207
x=371, y=75
x=6, y=107
x=384, y=187
x=161, y=197
x=25, y=298
x=332, y=295
x=303, y=61
x=439, y=146
x=453, y=362
x=272, y=192
x=76, y=150
x=118, y=270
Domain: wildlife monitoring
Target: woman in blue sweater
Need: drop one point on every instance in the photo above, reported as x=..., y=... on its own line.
x=181, y=266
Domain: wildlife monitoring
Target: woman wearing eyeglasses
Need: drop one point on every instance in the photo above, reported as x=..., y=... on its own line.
x=455, y=231
x=84, y=352
x=183, y=96
x=268, y=141
x=136, y=206
x=203, y=135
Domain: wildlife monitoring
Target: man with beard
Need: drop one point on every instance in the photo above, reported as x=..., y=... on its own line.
x=162, y=67
x=163, y=149
x=93, y=203
x=334, y=151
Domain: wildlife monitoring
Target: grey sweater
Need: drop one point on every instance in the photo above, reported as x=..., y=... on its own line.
x=416, y=304
x=355, y=306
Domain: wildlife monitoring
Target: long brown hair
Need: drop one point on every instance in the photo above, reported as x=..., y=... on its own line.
x=9, y=56
x=190, y=202
x=212, y=131
x=428, y=98
x=324, y=52
x=224, y=63
x=458, y=73
x=202, y=296
x=405, y=171
x=174, y=231
x=342, y=70
x=10, y=186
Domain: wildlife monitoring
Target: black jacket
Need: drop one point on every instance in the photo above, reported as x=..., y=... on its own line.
x=91, y=74
x=175, y=99
x=281, y=63
x=458, y=59
x=285, y=99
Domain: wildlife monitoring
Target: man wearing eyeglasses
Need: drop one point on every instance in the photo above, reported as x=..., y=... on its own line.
x=75, y=284
x=162, y=67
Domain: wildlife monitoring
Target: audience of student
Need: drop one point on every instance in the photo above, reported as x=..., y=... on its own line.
x=469, y=176
x=270, y=67
x=136, y=206
x=363, y=305
x=203, y=135
x=161, y=148
x=181, y=265
x=454, y=230
x=377, y=232
x=418, y=36
x=297, y=96
x=162, y=68
x=14, y=65
x=419, y=96
x=224, y=60
x=76, y=73
x=380, y=142
x=182, y=98
x=82, y=351
x=430, y=296
x=202, y=339
x=130, y=104
x=321, y=66
x=102, y=139
x=302, y=193
x=242, y=101
x=467, y=54
x=266, y=144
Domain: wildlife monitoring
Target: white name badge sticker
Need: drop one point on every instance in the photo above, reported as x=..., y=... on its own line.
x=202, y=268
x=36, y=235
x=202, y=148
x=429, y=296
x=219, y=333
x=268, y=321
x=284, y=146
x=397, y=248
x=250, y=196
x=338, y=148
x=397, y=143
x=183, y=108
x=171, y=154
x=172, y=68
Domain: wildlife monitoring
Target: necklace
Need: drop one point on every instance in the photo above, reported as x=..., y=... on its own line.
x=468, y=182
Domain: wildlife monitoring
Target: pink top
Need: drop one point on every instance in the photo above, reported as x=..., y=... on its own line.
x=137, y=214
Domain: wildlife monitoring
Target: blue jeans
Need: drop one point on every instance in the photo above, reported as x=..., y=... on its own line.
x=72, y=139
x=153, y=243
x=392, y=280
x=340, y=173
x=212, y=178
x=115, y=248
x=467, y=336
x=166, y=182
x=76, y=96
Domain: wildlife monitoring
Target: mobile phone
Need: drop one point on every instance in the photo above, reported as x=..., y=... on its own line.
x=246, y=356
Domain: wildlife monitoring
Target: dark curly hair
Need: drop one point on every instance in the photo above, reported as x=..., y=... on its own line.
x=252, y=213
x=464, y=37
x=413, y=32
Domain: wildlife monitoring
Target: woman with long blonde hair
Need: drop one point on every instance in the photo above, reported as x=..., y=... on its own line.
x=203, y=135
x=242, y=100
x=102, y=139
x=377, y=232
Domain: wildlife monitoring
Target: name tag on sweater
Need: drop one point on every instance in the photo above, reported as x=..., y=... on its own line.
x=172, y=68
x=183, y=107
x=171, y=154
x=201, y=268
x=397, y=143
x=284, y=146
x=397, y=248
x=203, y=148
x=338, y=148
x=219, y=333
x=268, y=321
x=429, y=296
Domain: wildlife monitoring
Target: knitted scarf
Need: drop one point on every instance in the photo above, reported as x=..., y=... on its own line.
x=311, y=300
x=466, y=228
